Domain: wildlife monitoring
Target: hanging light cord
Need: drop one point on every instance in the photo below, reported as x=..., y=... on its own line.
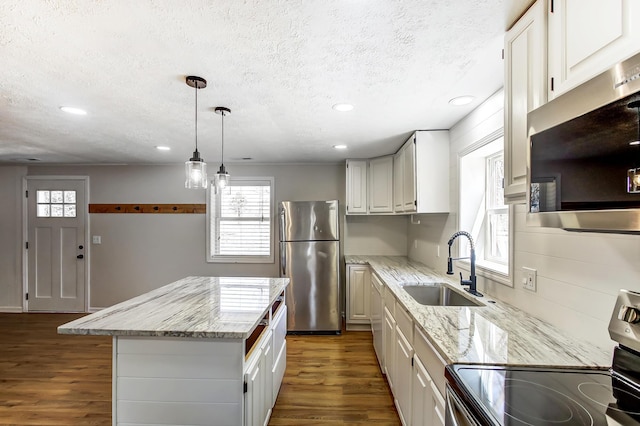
x=222, y=153
x=196, y=88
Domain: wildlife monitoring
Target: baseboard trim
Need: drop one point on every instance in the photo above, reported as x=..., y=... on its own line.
x=11, y=309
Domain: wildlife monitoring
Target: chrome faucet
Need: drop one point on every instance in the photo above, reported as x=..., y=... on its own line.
x=471, y=282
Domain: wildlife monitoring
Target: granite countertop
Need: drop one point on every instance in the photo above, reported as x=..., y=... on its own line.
x=197, y=307
x=496, y=333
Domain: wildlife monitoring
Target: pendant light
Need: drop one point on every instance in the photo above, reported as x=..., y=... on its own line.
x=222, y=177
x=633, y=175
x=196, y=168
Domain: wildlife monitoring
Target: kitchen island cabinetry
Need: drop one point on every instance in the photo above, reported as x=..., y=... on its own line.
x=358, y=297
x=525, y=89
x=200, y=351
x=586, y=37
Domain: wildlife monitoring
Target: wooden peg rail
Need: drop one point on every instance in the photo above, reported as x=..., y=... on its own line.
x=148, y=208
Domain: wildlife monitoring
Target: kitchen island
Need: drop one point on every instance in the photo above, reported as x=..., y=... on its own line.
x=199, y=351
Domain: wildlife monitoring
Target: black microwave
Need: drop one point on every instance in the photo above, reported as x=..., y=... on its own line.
x=583, y=159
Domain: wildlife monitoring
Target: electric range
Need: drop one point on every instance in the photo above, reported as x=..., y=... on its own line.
x=524, y=395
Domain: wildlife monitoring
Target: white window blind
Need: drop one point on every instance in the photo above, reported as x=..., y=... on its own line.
x=240, y=221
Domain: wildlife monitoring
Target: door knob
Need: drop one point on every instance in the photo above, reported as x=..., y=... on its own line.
x=80, y=256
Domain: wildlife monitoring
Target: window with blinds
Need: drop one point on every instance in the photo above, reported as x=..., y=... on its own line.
x=240, y=221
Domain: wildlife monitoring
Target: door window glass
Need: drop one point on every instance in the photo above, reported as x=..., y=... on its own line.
x=55, y=203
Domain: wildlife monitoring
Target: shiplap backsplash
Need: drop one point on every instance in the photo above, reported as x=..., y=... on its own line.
x=578, y=274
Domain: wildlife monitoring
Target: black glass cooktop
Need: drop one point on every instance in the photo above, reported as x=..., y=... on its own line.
x=561, y=397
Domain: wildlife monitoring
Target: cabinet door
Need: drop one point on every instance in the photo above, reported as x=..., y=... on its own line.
x=409, y=176
x=525, y=90
x=376, y=318
x=422, y=408
x=254, y=396
x=356, y=186
x=389, y=340
x=586, y=37
x=381, y=185
x=267, y=366
x=398, y=178
x=358, y=289
x=403, y=359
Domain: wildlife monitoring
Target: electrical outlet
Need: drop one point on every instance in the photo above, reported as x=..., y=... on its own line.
x=96, y=239
x=529, y=276
x=438, y=250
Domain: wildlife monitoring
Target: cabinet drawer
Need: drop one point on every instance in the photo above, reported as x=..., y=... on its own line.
x=279, y=329
x=404, y=323
x=390, y=301
x=431, y=359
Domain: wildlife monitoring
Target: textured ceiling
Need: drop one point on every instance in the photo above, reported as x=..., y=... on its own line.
x=278, y=64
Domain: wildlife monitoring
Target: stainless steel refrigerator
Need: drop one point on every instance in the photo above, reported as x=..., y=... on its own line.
x=309, y=257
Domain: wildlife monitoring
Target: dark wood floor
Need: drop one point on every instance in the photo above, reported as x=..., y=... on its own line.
x=50, y=379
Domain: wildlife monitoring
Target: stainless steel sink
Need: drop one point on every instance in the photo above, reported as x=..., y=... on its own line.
x=438, y=295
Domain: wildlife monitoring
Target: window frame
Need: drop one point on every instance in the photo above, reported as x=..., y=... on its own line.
x=490, y=208
x=496, y=272
x=213, y=195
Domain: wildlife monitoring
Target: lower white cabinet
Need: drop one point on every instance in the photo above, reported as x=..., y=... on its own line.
x=426, y=402
x=389, y=337
x=414, y=369
x=258, y=379
x=403, y=371
x=377, y=310
x=358, y=297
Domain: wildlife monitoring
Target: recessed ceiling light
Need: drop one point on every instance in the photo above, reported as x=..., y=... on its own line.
x=73, y=110
x=340, y=146
x=462, y=100
x=634, y=143
x=163, y=148
x=343, y=107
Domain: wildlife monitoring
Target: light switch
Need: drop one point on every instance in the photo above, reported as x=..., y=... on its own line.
x=96, y=239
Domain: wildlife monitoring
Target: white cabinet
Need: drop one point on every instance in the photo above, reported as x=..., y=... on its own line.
x=403, y=373
x=389, y=339
x=377, y=310
x=356, y=186
x=257, y=407
x=358, y=297
x=525, y=90
x=398, y=177
x=423, y=165
x=279, y=328
x=409, y=197
x=370, y=185
x=381, y=184
x=586, y=37
x=427, y=405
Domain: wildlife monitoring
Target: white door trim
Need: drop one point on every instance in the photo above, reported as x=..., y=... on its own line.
x=25, y=234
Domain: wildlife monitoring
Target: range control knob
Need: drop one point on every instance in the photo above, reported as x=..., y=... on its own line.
x=629, y=314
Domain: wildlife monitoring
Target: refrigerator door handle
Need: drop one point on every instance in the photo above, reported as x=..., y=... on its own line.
x=283, y=223
x=283, y=259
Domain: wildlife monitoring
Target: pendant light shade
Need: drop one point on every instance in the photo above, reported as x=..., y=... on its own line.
x=196, y=168
x=222, y=176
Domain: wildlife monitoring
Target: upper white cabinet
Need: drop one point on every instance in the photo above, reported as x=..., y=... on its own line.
x=414, y=180
x=381, y=184
x=356, y=186
x=525, y=89
x=429, y=163
x=398, y=169
x=586, y=37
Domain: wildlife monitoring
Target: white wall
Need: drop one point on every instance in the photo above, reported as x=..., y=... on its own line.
x=579, y=274
x=140, y=252
x=11, y=238
x=376, y=235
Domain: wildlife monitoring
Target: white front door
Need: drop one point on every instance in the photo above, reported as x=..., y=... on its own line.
x=56, y=244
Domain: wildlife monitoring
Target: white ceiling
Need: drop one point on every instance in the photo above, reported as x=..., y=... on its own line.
x=279, y=65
